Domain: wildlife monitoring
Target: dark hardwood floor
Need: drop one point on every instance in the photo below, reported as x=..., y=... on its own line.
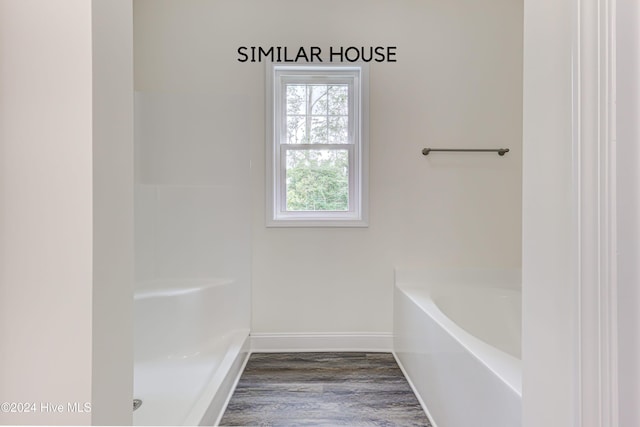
x=329, y=389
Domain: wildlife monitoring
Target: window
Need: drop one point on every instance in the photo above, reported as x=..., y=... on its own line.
x=317, y=146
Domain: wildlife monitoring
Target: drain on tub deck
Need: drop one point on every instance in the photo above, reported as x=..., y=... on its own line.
x=136, y=403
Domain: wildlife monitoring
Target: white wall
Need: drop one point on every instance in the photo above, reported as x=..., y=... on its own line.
x=550, y=286
x=628, y=188
x=112, y=346
x=548, y=222
x=457, y=83
x=63, y=298
x=46, y=223
x=566, y=287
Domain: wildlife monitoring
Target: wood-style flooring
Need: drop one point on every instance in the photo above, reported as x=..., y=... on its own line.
x=323, y=389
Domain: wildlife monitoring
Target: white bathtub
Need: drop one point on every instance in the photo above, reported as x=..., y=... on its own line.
x=457, y=337
x=187, y=351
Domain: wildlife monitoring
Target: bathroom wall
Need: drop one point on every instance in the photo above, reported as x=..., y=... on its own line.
x=628, y=210
x=549, y=224
x=113, y=212
x=456, y=83
x=35, y=222
x=66, y=211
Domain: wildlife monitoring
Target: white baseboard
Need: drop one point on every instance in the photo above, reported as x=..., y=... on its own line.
x=307, y=342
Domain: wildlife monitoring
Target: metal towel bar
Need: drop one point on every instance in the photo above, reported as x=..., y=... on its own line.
x=500, y=151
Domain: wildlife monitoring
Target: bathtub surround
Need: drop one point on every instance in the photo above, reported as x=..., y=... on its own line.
x=323, y=388
x=193, y=240
x=193, y=249
x=193, y=207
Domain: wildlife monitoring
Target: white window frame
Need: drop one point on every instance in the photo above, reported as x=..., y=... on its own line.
x=357, y=76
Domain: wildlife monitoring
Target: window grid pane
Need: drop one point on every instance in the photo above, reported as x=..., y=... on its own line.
x=317, y=114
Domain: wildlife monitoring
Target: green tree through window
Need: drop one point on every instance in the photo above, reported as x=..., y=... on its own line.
x=317, y=180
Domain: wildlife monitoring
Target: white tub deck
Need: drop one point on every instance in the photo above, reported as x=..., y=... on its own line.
x=457, y=337
x=186, y=391
x=187, y=355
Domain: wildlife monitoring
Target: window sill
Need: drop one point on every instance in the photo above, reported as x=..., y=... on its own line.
x=317, y=223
